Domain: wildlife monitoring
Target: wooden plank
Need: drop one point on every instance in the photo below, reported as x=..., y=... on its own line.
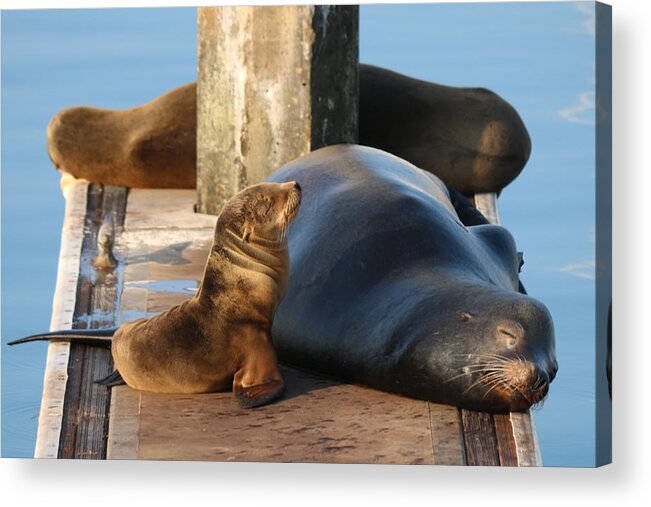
x=124, y=424
x=480, y=440
x=162, y=301
x=487, y=205
x=84, y=427
x=56, y=367
x=505, y=440
x=152, y=268
x=526, y=440
x=165, y=210
x=124, y=415
x=447, y=435
x=318, y=421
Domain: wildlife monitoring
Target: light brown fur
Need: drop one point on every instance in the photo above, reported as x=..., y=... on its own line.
x=149, y=146
x=221, y=336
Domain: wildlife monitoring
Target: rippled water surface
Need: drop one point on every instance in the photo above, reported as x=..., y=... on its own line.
x=539, y=57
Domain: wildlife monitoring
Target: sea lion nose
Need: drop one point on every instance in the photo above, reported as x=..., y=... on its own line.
x=530, y=380
x=297, y=186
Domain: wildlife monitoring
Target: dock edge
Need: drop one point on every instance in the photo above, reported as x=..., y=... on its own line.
x=63, y=307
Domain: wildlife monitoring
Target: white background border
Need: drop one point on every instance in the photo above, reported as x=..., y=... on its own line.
x=235, y=484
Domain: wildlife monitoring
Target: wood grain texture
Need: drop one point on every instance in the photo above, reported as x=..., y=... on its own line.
x=318, y=421
x=63, y=307
x=124, y=424
x=447, y=435
x=263, y=101
x=524, y=434
x=165, y=209
x=505, y=440
x=84, y=426
x=479, y=439
x=487, y=205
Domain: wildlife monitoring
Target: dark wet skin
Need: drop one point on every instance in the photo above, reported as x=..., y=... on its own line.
x=389, y=288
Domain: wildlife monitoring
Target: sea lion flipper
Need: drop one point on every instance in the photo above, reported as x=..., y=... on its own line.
x=259, y=380
x=113, y=379
x=259, y=394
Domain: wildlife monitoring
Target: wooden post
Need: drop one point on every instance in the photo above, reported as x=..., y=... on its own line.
x=274, y=83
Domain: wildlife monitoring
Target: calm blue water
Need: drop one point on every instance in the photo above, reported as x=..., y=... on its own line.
x=52, y=59
x=540, y=57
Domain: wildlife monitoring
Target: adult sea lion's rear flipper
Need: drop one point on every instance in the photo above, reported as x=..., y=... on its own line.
x=112, y=380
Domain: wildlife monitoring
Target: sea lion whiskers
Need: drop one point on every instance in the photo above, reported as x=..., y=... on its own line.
x=489, y=359
x=289, y=212
x=292, y=206
x=281, y=233
x=491, y=380
x=509, y=373
x=480, y=381
x=493, y=385
x=491, y=372
x=472, y=370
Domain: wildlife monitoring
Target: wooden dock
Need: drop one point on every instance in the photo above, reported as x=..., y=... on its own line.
x=161, y=246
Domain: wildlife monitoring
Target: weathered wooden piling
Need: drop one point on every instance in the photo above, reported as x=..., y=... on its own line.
x=274, y=83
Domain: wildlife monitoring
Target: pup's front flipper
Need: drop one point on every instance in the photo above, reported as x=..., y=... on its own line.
x=259, y=394
x=259, y=380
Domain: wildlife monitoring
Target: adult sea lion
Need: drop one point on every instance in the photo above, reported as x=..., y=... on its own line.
x=390, y=289
x=149, y=146
x=470, y=137
x=221, y=336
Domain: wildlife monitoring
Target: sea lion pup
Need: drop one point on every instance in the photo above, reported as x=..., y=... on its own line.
x=149, y=146
x=221, y=336
x=471, y=138
x=401, y=286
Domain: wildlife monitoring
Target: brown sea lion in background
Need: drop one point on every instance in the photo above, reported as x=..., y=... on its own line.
x=469, y=137
x=220, y=337
x=150, y=146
